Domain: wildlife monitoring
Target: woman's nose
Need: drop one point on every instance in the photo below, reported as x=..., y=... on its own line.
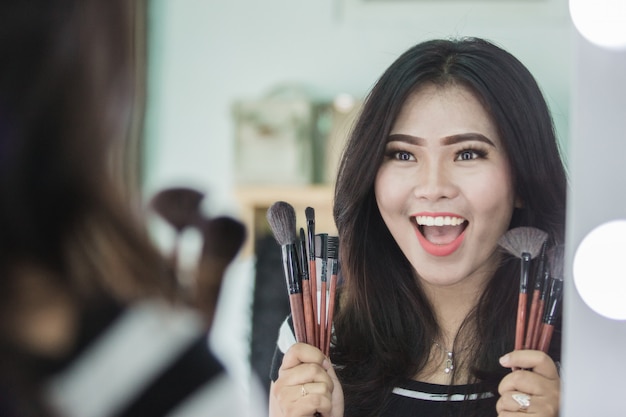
x=435, y=181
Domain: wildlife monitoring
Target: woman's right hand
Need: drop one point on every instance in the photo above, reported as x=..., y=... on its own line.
x=306, y=385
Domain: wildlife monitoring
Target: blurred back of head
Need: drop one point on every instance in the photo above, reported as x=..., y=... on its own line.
x=66, y=99
x=62, y=95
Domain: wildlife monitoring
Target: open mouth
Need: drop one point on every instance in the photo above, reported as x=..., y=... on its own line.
x=440, y=235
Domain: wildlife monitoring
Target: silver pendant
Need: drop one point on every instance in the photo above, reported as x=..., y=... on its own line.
x=449, y=364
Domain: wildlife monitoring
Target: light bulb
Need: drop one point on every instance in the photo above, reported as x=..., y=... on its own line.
x=600, y=271
x=602, y=22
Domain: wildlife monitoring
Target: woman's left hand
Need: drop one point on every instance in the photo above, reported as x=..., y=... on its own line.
x=534, y=387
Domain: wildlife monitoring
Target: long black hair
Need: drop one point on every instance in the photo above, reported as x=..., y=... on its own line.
x=385, y=325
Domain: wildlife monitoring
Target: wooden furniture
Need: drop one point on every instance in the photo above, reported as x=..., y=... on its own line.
x=255, y=200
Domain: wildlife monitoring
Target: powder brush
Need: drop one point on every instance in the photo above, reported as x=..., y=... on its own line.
x=524, y=243
x=281, y=217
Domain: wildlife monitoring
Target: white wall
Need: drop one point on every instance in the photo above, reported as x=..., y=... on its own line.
x=594, y=382
x=207, y=53
x=204, y=54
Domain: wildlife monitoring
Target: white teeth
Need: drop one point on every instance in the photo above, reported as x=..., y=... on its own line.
x=439, y=221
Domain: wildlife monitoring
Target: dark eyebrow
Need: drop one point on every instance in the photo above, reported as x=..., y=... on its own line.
x=448, y=140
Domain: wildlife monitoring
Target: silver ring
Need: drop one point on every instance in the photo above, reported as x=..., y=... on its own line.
x=523, y=400
x=304, y=391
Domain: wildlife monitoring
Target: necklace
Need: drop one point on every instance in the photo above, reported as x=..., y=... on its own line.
x=449, y=363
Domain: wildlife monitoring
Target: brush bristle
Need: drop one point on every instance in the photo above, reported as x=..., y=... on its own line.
x=321, y=245
x=309, y=212
x=179, y=206
x=333, y=247
x=523, y=240
x=556, y=257
x=281, y=217
x=223, y=237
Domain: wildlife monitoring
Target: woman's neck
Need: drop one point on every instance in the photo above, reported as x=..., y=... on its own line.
x=452, y=305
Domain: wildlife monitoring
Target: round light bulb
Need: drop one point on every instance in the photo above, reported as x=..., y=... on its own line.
x=602, y=22
x=599, y=270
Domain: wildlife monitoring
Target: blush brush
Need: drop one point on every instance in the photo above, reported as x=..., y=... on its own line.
x=524, y=243
x=281, y=217
x=553, y=304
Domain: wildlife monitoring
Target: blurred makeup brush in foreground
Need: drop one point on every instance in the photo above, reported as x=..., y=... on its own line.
x=223, y=237
x=524, y=243
x=180, y=208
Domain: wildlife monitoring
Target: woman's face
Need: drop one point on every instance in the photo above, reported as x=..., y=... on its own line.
x=444, y=188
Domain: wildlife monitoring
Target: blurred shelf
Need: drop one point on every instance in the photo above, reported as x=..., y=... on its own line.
x=255, y=200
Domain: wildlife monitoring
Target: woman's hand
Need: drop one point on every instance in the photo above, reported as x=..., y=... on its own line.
x=534, y=388
x=306, y=386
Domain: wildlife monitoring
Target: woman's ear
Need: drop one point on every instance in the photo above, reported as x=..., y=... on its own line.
x=519, y=203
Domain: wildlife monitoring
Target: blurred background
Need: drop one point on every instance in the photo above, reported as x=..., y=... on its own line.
x=250, y=101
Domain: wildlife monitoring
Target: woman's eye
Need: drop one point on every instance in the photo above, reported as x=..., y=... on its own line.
x=468, y=155
x=403, y=156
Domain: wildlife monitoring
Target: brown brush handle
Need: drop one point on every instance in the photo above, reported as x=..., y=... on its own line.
x=313, y=281
x=309, y=320
x=323, y=316
x=520, y=326
x=534, y=343
x=331, y=312
x=297, y=314
x=545, y=338
x=532, y=320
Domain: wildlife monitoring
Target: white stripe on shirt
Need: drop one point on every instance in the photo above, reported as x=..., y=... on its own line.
x=429, y=396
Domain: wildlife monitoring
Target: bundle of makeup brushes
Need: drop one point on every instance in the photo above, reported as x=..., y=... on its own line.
x=534, y=330
x=312, y=309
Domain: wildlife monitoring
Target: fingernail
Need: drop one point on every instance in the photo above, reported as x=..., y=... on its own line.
x=504, y=360
x=326, y=363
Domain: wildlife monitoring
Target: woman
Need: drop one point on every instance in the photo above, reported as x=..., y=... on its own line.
x=455, y=145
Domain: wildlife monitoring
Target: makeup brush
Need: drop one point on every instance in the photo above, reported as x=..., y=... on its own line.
x=310, y=225
x=282, y=220
x=525, y=243
x=543, y=299
x=180, y=208
x=321, y=242
x=333, y=257
x=553, y=305
x=223, y=237
x=307, y=300
x=534, y=318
